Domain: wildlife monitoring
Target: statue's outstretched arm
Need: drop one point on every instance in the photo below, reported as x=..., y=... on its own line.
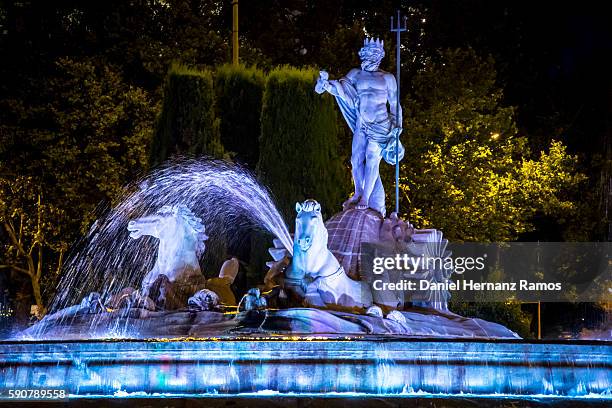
x=335, y=88
x=332, y=86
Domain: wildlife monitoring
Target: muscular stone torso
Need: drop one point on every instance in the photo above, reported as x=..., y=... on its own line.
x=372, y=90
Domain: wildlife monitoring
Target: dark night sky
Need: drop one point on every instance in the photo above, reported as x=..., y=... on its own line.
x=554, y=60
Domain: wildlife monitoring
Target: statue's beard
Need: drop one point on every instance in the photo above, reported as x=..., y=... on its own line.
x=369, y=65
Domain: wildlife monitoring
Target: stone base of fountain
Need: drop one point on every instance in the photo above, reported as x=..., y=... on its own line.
x=571, y=372
x=141, y=323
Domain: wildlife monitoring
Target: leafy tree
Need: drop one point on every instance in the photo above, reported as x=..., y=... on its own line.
x=146, y=37
x=487, y=307
x=67, y=142
x=288, y=31
x=508, y=314
x=239, y=93
x=469, y=174
x=306, y=32
x=34, y=232
x=466, y=171
x=187, y=123
x=339, y=50
x=299, y=142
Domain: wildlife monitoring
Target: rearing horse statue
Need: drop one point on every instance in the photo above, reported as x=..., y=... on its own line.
x=181, y=242
x=313, y=263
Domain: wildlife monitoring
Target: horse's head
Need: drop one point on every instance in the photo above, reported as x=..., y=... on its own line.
x=149, y=225
x=175, y=222
x=309, y=227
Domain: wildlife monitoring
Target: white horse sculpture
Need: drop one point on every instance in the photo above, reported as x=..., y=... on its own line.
x=328, y=284
x=181, y=242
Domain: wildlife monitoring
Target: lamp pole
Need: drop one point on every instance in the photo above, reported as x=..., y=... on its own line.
x=235, y=32
x=397, y=29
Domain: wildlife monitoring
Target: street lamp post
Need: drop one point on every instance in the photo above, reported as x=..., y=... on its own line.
x=235, y=32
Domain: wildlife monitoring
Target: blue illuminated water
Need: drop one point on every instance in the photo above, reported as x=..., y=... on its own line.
x=311, y=367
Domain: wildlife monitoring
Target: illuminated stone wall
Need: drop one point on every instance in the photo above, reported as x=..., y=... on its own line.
x=309, y=367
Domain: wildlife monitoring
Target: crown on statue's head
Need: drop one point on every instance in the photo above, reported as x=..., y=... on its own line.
x=374, y=43
x=373, y=50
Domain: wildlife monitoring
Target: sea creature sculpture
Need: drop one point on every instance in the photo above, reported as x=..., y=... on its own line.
x=322, y=276
x=181, y=242
x=203, y=299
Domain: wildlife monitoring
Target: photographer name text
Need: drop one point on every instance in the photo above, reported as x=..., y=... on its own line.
x=465, y=285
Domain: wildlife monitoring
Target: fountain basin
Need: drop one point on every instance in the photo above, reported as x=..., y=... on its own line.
x=309, y=366
x=138, y=323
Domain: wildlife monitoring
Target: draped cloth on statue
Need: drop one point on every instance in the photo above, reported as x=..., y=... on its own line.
x=378, y=132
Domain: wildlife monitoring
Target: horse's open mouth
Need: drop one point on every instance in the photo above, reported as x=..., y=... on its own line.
x=135, y=232
x=135, y=235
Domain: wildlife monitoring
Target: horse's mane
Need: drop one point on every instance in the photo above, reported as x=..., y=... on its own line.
x=191, y=220
x=311, y=205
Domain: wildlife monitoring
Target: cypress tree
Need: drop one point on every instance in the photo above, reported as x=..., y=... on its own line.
x=239, y=93
x=187, y=123
x=298, y=146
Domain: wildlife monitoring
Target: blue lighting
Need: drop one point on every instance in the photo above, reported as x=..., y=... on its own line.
x=346, y=368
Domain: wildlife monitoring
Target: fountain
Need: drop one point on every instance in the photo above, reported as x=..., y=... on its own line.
x=136, y=316
x=314, y=295
x=338, y=341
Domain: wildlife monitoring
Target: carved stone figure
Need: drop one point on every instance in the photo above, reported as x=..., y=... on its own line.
x=397, y=316
x=349, y=234
x=181, y=242
x=253, y=300
x=316, y=268
x=203, y=299
x=222, y=285
x=367, y=97
x=374, y=311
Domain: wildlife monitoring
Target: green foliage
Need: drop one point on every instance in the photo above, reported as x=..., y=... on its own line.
x=299, y=142
x=153, y=34
x=73, y=145
x=35, y=243
x=340, y=60
x=508, y=314
x=81, y=138
x=187, y=123
x=469, y=174
x=239, y=93
x=466, y=171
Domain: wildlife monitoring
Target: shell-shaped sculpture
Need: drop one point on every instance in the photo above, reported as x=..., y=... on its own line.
x=347, y=231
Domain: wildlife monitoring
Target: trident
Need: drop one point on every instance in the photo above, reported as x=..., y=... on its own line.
x=397, y=29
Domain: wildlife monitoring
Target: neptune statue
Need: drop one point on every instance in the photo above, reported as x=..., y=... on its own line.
x=367, y=97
